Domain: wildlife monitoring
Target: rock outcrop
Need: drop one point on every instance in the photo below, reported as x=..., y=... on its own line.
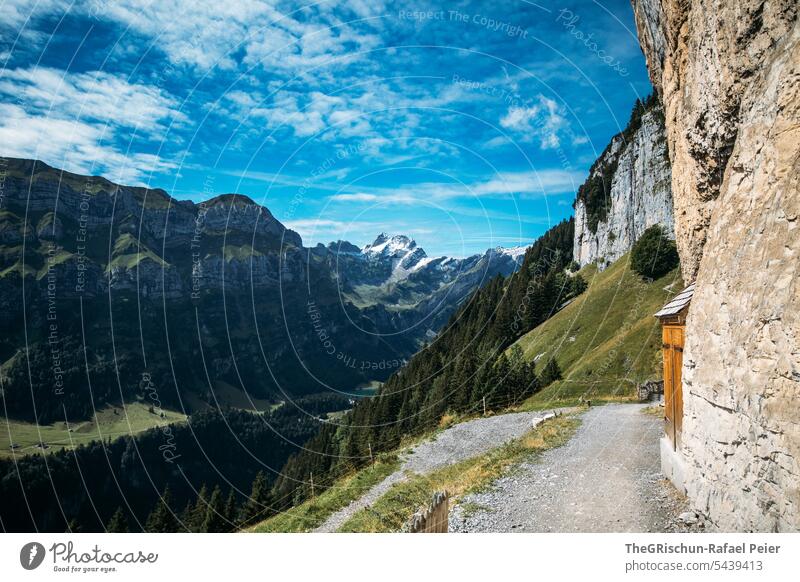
x=636, y=172
x=729, y=77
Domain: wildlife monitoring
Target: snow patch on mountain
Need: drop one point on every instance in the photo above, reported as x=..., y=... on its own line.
x=407, y=258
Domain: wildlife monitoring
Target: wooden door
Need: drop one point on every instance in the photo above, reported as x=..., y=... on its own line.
x=677, y=366
x=672, y=336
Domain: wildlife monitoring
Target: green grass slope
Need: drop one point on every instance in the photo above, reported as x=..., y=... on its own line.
x=109, y=422
x=312, y=513
x=605, y=341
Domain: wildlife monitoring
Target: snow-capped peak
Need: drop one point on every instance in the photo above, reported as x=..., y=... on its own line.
x=513, y=252
x=403, y=252
x=396, y=245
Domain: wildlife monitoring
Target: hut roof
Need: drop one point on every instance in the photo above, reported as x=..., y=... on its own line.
x=677, y=303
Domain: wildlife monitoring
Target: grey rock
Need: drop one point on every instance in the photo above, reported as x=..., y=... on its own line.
x=641, y=195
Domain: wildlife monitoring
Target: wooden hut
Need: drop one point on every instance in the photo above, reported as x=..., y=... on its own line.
x=673, y=321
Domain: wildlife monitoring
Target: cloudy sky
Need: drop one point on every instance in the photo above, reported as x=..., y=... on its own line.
x=463, y=124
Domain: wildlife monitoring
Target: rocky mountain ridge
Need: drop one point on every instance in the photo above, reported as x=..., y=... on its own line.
x=394, y=278
x=141, y=267
x=627, y=191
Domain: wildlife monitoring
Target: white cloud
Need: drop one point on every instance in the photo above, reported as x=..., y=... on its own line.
x=357, y=197
x=84, y=122
x=360, y=232
x=301, y=48
x=17, y=12
x=311, y=113
x=97, y=96
x=544, y=120
x=550, y=181
x=504, y=184
x=211, y=33
x=79, y=146
x=243, y=99
x=194, y=33
x=306, y=225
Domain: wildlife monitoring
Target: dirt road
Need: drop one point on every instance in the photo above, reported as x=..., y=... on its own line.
x=462, y=441
x=605, y=479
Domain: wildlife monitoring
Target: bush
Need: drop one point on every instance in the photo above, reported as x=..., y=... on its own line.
x=654, y=254
x=577, y=285
x=551, y=373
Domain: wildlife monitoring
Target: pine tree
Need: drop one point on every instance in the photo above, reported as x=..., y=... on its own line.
x=215, y=521
x=230, y=508
x=498, y=391
x=531, y=385
x=186, y=516
x=256, y=506
x=550, y=374
x=481, y=385
x=517, y=377
x=162, y=519
x=118, y=522
x=436, y=402
x=198, y=512
x=460, y=385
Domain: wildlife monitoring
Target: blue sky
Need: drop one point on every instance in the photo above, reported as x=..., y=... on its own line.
x=463, y=124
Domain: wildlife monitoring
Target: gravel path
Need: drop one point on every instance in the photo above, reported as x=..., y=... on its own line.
x=459, y=442
x=605, y=479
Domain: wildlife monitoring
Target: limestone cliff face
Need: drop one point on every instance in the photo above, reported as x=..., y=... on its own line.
x=640, y=194
x=704, y=57
x=729, y=76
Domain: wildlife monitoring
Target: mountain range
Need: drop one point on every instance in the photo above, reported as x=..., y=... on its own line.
x=395, y=283
x=114, y=284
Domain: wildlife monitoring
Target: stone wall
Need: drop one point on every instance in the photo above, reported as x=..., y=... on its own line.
x=729, y=76
x=640, y=194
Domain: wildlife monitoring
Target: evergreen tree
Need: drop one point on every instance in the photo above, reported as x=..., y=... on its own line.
x=186, y=516
x=498, y=390
x=436, y=402
x=460, y=384
x=654, y=254
x=255, y=505
x=118, y=522
x=162, y=519
x=198, y=512
x=231, y=513
x=532, y=384
x=481, y=385
x=215, y=521
x=550, y=374
x=578, y=285
x=518, y=374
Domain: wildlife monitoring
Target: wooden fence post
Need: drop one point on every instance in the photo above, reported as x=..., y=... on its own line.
x=434, y=519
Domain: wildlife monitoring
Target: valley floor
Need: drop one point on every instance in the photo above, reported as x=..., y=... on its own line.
x=607, y=478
